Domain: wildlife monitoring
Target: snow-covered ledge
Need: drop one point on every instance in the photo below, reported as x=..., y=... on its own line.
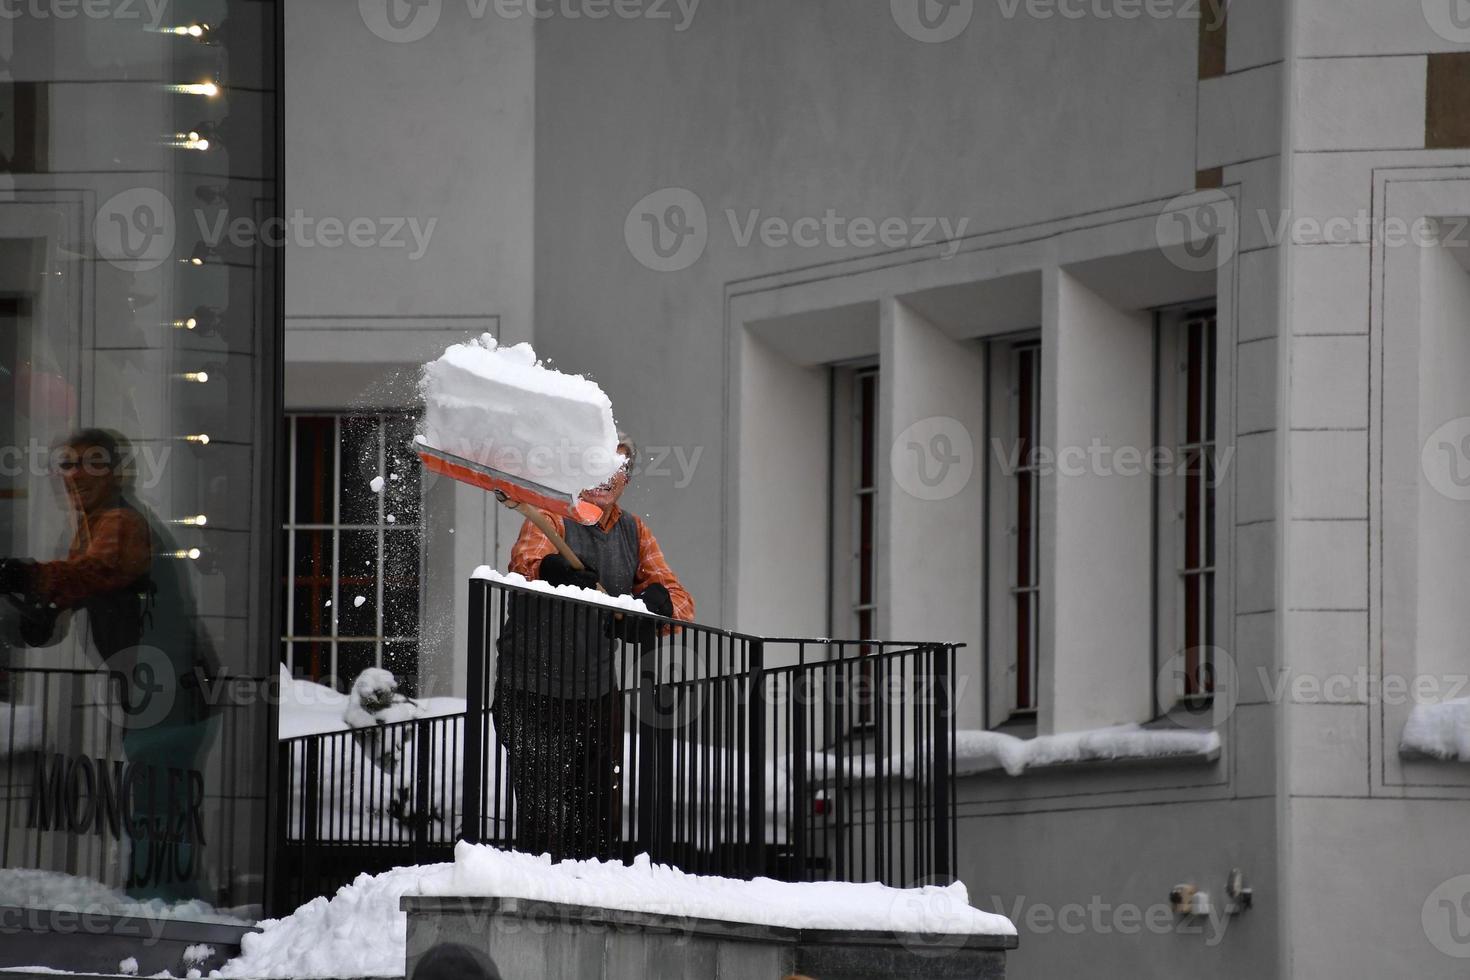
x=979, y=752
x=1438, y=731
x=607, y=921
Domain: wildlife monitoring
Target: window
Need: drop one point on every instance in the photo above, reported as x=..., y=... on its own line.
x=855, y=459
x=1187, y=501
x=865, y=503
x=1015, y=530
x=353, y=582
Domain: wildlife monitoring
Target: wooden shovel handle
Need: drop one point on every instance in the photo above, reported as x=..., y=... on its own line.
x=538, y=517
x=544, y=523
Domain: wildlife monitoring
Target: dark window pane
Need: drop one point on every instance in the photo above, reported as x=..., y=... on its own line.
x=361, y=463
x=402, y=658
x=401, y=583
x=401, y=495
x=358, y=579
x=311, y=660
x=315, y=453
x=353, y=659
x=312, y=616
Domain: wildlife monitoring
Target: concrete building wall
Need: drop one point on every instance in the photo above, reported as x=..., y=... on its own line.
x=1376, y=550
x=767, y=110
x=1056, y=151
x=1061, y=169
x=436, y=129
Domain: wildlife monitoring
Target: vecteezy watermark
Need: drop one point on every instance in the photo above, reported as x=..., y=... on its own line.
x=1199, y=231
x=1446, y=917
x=150, y=12
x=1450, y=19
x=142, y=464
x=1445, y=459
x=1099, y=459
x=137, y=230
x=306, y=231
x=1212, y=12
x=404, y=21
x=1360, y=687
x=933, y=459
x=1100, y=917
x=134, y=229
x=1202, y=230
x=833, y=230
x=932, y=21
x=936, y=915
x=1198, y=687
x=668, y=230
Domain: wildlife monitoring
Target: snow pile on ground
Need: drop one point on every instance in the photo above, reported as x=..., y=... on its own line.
x=501, y=407
x=981, y=751
x=37, y=889
x=481, y=870
x=570, y=591
x=358, y=932
x=1441, y=731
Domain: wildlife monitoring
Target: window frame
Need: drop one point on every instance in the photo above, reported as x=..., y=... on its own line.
x=1004, y=506
x=1187, y=387
x=333, y=640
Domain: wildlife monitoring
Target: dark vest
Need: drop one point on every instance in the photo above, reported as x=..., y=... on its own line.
x=560, y=649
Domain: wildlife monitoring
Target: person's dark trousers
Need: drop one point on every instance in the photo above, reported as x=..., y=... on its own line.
x=565, y=755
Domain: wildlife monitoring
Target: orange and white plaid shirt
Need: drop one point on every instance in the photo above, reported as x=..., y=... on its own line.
x=532, y=546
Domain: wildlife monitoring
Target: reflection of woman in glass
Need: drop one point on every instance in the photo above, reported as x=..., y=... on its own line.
x=141, y=620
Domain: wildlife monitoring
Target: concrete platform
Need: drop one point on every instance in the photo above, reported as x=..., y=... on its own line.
x=569, y=942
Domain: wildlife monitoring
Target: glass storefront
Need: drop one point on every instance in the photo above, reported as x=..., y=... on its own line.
x=139, y=418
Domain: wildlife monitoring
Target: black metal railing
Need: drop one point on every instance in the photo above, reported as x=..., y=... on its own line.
x=367, y=799
x=733, y=754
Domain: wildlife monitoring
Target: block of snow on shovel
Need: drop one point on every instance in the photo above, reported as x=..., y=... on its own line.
x=498, y=419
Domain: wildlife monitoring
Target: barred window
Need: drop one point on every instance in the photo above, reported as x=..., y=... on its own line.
x=1187, y=391
x=355, y=553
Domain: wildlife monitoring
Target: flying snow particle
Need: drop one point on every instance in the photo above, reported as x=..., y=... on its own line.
x=377, y=484
x=359, y=601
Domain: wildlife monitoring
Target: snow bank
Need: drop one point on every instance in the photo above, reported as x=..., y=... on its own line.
x=501, y=407
x=37, y=889
x=358, y=932
x=481, y=870
x=1441, y=731
x=570, y=591
x=981, y=751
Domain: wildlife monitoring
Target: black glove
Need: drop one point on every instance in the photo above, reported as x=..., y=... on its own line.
x=656, y=598
x=556, y=570
x=15, y=575
x=639, y=629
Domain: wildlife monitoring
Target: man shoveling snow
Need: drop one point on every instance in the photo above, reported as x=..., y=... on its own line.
x=557, y=709
x=545, y=443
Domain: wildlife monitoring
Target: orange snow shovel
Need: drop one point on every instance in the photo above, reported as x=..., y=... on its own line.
x=528, y=498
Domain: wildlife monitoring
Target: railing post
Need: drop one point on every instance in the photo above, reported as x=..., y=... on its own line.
x=800, y=806
x=943, y=775
x=474, y=719
x=282, y=898
x=647, y=789
x=756, y=719
x=311, y=788
x=423, y=735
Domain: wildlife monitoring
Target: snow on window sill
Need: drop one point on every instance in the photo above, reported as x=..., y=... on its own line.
x=1437, y=733
x=979, y=753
